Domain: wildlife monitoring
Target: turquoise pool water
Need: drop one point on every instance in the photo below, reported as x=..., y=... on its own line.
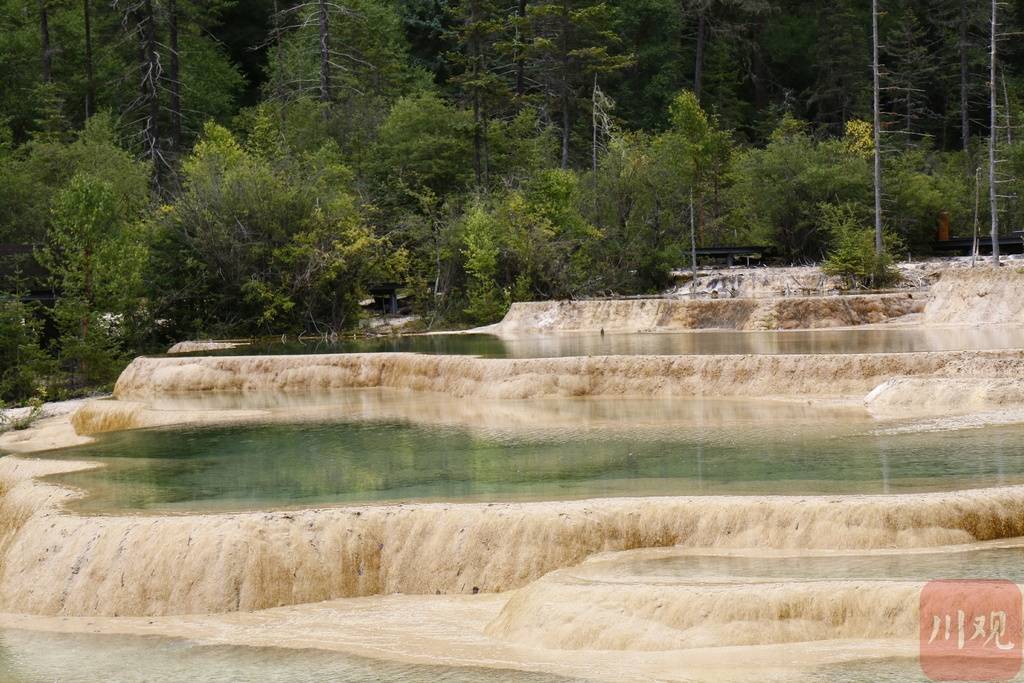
x=988, y=563
x=274, y=465
x=872, y=340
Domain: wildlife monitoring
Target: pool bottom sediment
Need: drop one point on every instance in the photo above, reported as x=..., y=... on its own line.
x=374, y=447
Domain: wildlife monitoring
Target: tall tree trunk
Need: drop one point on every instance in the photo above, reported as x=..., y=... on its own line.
x=760, y=70
x=877, y=127
x=476, y=55
x=44, y=37
x=520, y=61
x=693, y=249
x=478, y=140
x=698, y=60
x=90, y=79
x=325, y=54
x=965, y=116
x=593, y=132
x=175, y=74
x=146, y=21
x=564, y=39
x=992, y=189
x=565, y=124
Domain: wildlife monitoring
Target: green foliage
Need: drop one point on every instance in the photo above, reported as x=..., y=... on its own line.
x=566, y=44
x=527, y=244
x=34, y=174
x=919, y=186
x=12, y=421
x=25, y=369
x=778, y=191
x=430, y=157
x=96, y=259
x=853, y=255
x=487, y=301
x=262, y=244
x=424, y=145
x=369, y=61
x=642, y=241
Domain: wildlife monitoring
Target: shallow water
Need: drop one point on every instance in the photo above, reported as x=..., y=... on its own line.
x=884, y=671
x=711, y=342
x=690, y=448
x=987, y=563
x=35, y=657
x=40, y=657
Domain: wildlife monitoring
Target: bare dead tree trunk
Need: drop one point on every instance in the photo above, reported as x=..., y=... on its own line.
x=565, y=125
x=44, y=36
x=478, y=140
x=325, y=54
x=476, y=55
x=175, y=74
x=698, y=60
x=965, y=117
x=90, y=80
x=519, y=58
x=992, y=189
x=593, y=129
x=1006, y=109
x=977, y=201
x=693, y=248
x=877, y=128
x=150, y=83
x=565, y=87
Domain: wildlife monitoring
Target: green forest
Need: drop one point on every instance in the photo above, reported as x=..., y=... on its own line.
x=177, y=169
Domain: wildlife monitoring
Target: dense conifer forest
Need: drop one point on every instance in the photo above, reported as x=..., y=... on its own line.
x=174, y=169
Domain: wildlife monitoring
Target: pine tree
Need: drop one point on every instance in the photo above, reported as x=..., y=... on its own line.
x=566, y=43
x=841, y=90
x=908, y=55
x=482, y=28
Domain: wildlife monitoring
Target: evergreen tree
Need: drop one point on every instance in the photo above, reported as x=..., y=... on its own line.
x=842, y=85
x=565, y=44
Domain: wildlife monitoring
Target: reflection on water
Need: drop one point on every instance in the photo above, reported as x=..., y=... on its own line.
x=884, y=671
x=808, y=452
x=39, y=657
x=989, y=563
x=30, y=657
x=855, y=340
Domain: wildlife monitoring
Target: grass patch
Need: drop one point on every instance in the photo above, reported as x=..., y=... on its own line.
x=17, y=422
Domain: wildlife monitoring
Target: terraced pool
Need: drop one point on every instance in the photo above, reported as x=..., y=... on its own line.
x=631, y=448
x=850, y=340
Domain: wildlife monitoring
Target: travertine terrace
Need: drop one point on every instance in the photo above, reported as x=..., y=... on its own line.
x=521, y=562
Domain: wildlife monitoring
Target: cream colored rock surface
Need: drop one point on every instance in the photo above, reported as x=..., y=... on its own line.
x=58, y=563
x=400, y=581
x=674, y=315
x=200, y=346
x=981, y=295
x=450, y=631
x=852, y=375
x=910, y=397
